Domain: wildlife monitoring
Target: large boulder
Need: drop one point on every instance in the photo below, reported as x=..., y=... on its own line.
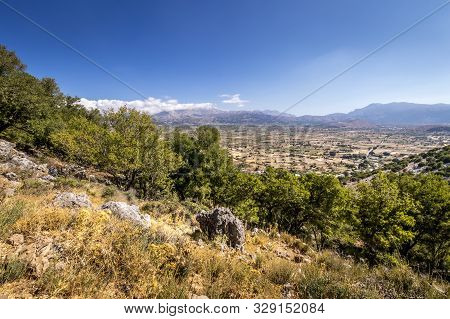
x=128, y=212
x=19, y=161
x=221, y=221
x=72, y=200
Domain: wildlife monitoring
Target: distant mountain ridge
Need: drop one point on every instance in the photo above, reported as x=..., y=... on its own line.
x=392, y=114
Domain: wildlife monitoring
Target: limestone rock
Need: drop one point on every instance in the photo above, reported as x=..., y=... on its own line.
x=53, y=171
x=128, y=212
x=11, y=176
x=23, y=163
x=5, y=149
x=72, y=200
x=48, y=178
x=13, y=159
x=221, y=221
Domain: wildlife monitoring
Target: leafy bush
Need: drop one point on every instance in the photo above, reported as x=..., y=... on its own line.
x=68, y=183
x=108, y=192
x=331, y=276
x=10, y=212
x=11, y=270
x=33, y=186
x=383, y=219
x=280, y=271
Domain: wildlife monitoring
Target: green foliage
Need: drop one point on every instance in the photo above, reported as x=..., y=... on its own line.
x=32, y=108
x=108, y=192
x=331, y=276
x=384, y=220
x=67, y=183
x=207, y=168
x=430, y=247
x=22, y=99
x=433, y=161
x=11, y=270
x=34, y=186
x=9, y=62
x=282, y=200
x=241, y=194
x=329, y=207
x=138, y=153
x=10, y=212
x=125, y=144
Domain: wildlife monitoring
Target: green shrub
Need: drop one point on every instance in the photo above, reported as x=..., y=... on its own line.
x=10, y=212
x=67, y=183
x=108, y=192
x=33, y=186
x=280, y=271
x=402, y=282
x=259, y=260
x=299, y=245
x=331, y=276
x=11, y=270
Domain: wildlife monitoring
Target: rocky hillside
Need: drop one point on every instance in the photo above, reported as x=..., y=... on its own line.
x=66, y=232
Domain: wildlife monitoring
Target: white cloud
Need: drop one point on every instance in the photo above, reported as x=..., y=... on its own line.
x=233, y=99
x=150, y=105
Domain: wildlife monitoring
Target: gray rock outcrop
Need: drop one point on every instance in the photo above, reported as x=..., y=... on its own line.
x=72, y=200
x=221, y=221
x=13, y=159
x=11, y=176
x=128, y=212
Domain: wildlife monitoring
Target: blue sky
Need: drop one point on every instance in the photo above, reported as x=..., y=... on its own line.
x=254, y=54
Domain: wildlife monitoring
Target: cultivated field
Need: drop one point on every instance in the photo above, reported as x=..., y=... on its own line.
x=335, y=150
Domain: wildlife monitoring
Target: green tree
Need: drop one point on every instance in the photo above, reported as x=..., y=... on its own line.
x=430, y=247
x=207, y=168
x=241, y=193
x=82, y=141
x=329, y=209
x=28, y=105
x=9, y=62
x=383, y=217
x=125, y=144
x=138, y=152
x=282, y=200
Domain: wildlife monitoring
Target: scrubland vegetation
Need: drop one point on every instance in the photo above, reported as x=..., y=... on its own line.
x=387, y=237
x=95, y=255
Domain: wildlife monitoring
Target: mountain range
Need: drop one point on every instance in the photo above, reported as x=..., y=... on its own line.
x=392, y=114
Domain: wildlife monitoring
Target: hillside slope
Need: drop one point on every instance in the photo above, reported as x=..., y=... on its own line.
x=49, y=251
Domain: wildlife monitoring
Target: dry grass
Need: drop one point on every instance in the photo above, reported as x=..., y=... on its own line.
x=100, y=256
x=331, y=276
x=280, y=271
